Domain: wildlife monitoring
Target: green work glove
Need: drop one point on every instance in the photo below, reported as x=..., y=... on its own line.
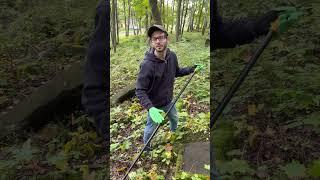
x=287, y=16
x=155, y=115
x=199, y=67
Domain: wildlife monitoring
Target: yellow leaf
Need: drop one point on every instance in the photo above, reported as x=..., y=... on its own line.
x=168, y=154
x=252, y=137
x=269, y=131
x=121, y=169
x=275, y=25
x=153, y=175
x=168, y=147
x=252, y=109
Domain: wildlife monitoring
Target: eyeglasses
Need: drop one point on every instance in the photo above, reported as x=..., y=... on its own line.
x=160, y=38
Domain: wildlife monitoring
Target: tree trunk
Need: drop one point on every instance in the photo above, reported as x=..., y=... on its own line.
x=200, y=14
x=178, y=21
x=125, y=16
x=139, y=26
x=150, y=22
x=155, y=12
x=162, y=14
x=205, y=20
x=129, y=14
x=182, y=14
x=167, y=14
x=185, y=16
x=160, y=8
x=190, y=17
x=113, y=26
x=133, y=22
x=147, y=20
x=172, y=15
x=117, y=23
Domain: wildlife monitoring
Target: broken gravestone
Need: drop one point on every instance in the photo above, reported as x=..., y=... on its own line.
x=61, y=94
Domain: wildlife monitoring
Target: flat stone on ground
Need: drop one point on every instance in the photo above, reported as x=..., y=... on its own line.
x=196, y=155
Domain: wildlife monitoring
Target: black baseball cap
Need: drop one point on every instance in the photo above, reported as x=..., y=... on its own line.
x=156, y=27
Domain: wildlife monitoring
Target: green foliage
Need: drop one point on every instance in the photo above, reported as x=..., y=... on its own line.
x=223, y=139
x=294, y=170
x=311, y=120
x=26, y=153
x=139, y=174
x=314, y=169
x=83, y=142
x=186, y=175
x=234, y=167
x=60, y=161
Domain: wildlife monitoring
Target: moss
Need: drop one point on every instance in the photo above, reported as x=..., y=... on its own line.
x=223, y=139
x=179, y=161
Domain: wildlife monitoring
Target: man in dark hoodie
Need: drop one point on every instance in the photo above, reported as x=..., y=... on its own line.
x=95, y=96
x=154, y=87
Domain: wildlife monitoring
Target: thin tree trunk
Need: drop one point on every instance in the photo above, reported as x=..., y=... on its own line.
x=185, y=16
x=129, y=16
x=178, y=21
x=125, y=16
x=133, y=22
x=147, y=21
x=172, y=15
x=200, y=15
x=117, y=22
x=113, y=26
x=155, y=12
x=190, y=17
x=205, y=21
x=162, y=14
x=182, y=12
x=160, y=7
x=167, y=14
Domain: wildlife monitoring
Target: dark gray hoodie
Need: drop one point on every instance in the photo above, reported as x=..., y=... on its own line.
x=154, y=87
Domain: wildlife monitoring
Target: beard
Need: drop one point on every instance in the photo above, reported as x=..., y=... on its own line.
x=160, y=48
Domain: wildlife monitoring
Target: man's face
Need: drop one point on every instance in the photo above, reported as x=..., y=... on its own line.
x=159, y=41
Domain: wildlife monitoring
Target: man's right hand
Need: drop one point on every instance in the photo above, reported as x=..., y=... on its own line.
x=287, y=16
x=155, y=115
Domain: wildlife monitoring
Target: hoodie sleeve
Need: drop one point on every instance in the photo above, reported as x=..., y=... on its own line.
x=96, y=82
x=230, y=33
x=143, y=83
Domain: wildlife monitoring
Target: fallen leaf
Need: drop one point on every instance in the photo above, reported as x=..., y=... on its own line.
x=168, y=147
x=121, y=169
x=252, y=109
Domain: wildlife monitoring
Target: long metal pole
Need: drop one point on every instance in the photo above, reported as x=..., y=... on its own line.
x=155, y=131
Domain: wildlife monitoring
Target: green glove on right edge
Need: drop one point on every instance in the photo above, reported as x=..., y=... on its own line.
x=155, y=115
